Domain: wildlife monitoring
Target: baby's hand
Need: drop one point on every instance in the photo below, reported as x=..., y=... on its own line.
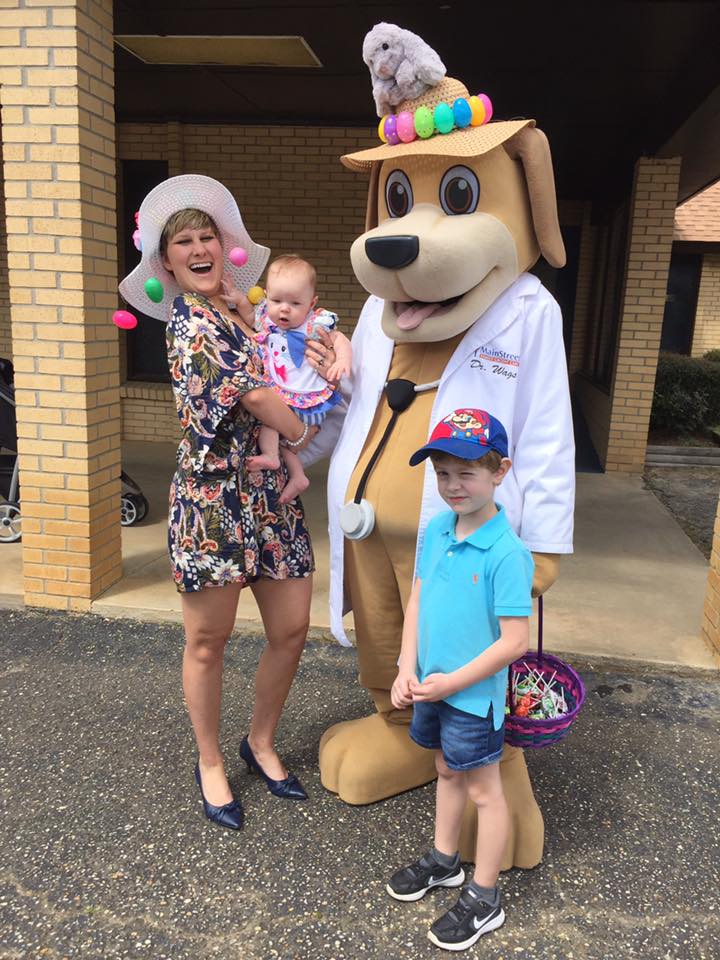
x=337, y=371
x=236, y=300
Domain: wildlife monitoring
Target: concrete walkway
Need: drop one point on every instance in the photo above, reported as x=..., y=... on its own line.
x=105, y=853
x=633, y=589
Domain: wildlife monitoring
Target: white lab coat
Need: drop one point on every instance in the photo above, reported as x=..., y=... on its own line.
x=511, y=363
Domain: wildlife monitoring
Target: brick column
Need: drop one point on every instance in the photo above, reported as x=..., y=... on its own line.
x=56, y=91
x=650, y=235
x=706, y=335
x=711, y=612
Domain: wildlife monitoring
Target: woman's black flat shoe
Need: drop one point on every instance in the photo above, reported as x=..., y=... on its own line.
x=288, y=789
x=229, y=815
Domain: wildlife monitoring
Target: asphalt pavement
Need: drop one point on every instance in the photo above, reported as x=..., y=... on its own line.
x=105, y=852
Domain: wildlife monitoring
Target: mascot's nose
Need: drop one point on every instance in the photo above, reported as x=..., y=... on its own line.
x=392, y=252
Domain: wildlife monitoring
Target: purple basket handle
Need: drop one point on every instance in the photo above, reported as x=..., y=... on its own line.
x=540, y=626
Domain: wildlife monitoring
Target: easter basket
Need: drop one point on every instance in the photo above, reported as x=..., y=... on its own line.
x=552, y=686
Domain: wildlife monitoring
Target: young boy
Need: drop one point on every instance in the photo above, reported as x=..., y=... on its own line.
x=466, y=620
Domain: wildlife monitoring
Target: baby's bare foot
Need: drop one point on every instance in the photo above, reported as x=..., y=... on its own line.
x=294, y=487
x=262, y=461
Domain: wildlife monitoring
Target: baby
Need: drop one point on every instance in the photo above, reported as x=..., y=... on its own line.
x=284, y=321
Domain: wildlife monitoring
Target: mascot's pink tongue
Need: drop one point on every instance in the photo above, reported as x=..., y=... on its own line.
x=414, y=314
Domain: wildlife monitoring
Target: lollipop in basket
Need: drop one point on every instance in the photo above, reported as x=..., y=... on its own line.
x=544, y=697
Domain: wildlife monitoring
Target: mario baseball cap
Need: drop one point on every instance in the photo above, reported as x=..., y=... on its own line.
x=467, y=433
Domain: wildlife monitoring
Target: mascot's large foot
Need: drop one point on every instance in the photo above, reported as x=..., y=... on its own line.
x=370, y=759
x=527, y=831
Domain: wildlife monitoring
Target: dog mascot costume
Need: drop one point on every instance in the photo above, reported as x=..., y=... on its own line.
x=454, y=221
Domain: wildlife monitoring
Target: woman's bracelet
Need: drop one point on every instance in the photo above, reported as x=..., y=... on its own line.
x=297, y=443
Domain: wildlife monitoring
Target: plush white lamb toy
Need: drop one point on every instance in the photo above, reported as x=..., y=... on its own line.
x=402, y=66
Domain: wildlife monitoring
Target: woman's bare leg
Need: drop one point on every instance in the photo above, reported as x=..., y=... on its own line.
x=285, y=610
x=209, y=616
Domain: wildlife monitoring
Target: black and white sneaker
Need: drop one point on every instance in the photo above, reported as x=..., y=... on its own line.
x=466, y=922
x=414, y=881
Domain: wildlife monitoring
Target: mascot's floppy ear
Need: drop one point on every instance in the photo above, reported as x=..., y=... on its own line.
x=371, y=211
x=531, y=147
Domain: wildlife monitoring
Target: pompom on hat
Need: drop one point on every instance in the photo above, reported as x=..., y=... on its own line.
x=188, y=192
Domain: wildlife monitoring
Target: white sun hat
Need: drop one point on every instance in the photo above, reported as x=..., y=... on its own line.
x=196, y=192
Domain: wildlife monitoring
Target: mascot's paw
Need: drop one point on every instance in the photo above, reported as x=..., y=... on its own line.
x=527, y=831
x=547, y=568
x=370, y=759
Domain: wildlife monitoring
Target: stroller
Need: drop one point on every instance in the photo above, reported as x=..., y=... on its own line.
x=133, y=505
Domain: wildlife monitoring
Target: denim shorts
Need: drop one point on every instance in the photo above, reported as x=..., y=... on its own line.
x=465, y=739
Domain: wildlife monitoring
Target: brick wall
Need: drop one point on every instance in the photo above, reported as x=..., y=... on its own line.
x=652, y=212
x=706, y=335
x=58, y=132
x=293, y=193
x=5, y=338
x=149, y=413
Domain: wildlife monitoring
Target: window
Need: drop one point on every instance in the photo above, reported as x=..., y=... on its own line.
x=681, y=302
x=608, y=275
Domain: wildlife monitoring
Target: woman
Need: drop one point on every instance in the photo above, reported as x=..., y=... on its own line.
x=228, y=528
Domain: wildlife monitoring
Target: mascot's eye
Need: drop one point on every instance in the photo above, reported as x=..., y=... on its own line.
x=386, y=46
x=459, y=191
x=398, y=194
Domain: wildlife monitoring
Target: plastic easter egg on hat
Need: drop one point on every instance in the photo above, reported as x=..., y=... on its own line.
x=478, y=111
x=487, y=103
x=154, y=289
x=443, y=117
x=124, y=319
x=406, y=127
x=255, y=295
x=238, y=256
x=390, y=129
x=424, y=124
x=136, y=240
x=462, y=112
x=381, y=128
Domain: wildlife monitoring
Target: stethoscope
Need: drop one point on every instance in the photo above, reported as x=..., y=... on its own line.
x=357, y=518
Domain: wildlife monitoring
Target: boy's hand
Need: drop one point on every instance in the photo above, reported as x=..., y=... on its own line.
x=400, y=692
x=436, y=686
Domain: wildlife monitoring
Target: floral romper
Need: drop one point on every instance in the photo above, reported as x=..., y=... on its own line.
x=226, y=525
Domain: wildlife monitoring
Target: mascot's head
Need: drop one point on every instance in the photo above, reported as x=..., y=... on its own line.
x=458, y=207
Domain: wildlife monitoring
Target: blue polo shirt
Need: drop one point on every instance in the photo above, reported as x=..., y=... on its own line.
x=466, y=585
